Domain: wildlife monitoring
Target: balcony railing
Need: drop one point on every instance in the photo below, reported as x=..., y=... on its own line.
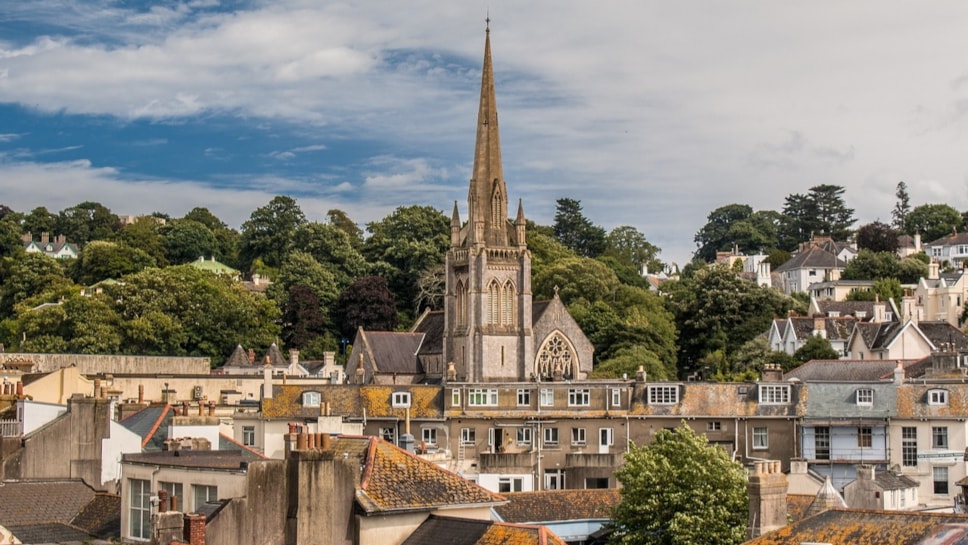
x=11, y=428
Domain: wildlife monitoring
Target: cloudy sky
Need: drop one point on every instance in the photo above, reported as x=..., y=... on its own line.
x=652, y=113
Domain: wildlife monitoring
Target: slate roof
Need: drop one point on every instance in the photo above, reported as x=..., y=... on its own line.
x=431, y=324
x=950, y=240
x=58, y=511
x=838, y=400
x=888, y=480
x=559, y=505
x=455, y=531
x=275, y=357
x=394, y=480
x=151, y=424
x=814, y=258
x=942, y=332
x=846, y=370
x=859, y=527
x=837, y=329
x=879, y=336
x=200, y=459
x=912, y=400
x=847, y=308
x=393, y=351
x=827, y=498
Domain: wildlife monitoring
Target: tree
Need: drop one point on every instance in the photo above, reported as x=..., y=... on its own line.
x=877, y=237
x=333, y=249
x=366, y=303
x=737, y=226
x=575, y=278
x=38, y=221
x=902, y=208
x=339, y=219
x=933, y=221
x=27, y=276
x=87, y=221
x=821, y=211
x=868, y=265
x=101, y=260
x=10, y=241
x=300, y=268
x=628, y=245
x=268, y=231
x=680, y=490
x=576, y=231
x=227, y=239
x=403, y=245
x=188, y=240
x=816, y=348
x=302, y=318
x=145, y=234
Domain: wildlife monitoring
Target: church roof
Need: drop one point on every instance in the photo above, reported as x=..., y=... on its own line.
x=431, y=324
x=394, y=351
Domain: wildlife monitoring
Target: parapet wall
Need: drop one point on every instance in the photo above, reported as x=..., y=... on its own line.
x=89, y=364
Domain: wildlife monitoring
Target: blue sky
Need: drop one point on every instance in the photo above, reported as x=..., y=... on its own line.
x=651, y=113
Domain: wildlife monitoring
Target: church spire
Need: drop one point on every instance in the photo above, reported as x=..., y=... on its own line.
x=487, y=198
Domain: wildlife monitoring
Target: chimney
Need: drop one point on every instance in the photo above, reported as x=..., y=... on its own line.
x=865, y=472
x=819, y=327
x=141, y=394
x=267, y=382
x=251, y=356
x=899, y=373
x=934, y=270
x=360, y=371
x=640, y=374
x=767, y=492
x=44, y=239
x=293, y=357
x=772, y=372
x=194, y=531
x=451, y=372
x=211, y=408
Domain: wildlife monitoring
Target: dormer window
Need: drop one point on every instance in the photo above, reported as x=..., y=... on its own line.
x=937, y=397
x=861, y=314
x=663, y=395
x=774, y=394
x=834, y=314
x=310, y=399
x=865, y=396
x=400, y=400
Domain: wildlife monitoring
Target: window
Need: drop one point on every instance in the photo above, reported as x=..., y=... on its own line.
x=578, y=436
x=524, y=397
x=310, y=399
x=774, y=394
x=468, y=436
x=821, y=443
x=400, y=400
x=606, y=437
x=482, y=397
x=551, y=436
x=616, y=397
x=578, y=397
x=865, y=396
x=203, y=494
x=523, y=436
x=556, y=358
x=547, y=397
x=596, y=482
x=429, y=435
x=248, y=436
x=940, y=480
x=389, y=434
x=865, y=437
x=939, y=437
x=455, y=397
x=714, y=426
x=937, y=397
x=174, y=493
x=509, y=484
x=139, y=492
x=812, y=272
x=761, y=438
x=909, y=446
x=493, y=303
x=663, y=395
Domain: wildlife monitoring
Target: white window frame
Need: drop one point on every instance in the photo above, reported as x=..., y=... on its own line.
x=509, y=484
x=865, y=397
x=523, y=436
x=206, y=492
x=248, y=436
x=468, y=436
x=616, y=397
x=429, y=435
x=547, y=397
x=524, y=397
x=610, y=436
x=774, y=394
x=311, y=399
x=663, y=394
x=400, y=400
x=761, y=438
x=939, y=437
x=482, y=397
x=578, y=436
x=455, y=397
x=139, y=509
x=715, y=425
x=938, y=397
x=579, y=397
x=551, y=436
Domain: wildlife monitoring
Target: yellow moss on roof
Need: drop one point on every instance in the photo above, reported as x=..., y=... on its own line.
x=518, y=534
x=912, y=400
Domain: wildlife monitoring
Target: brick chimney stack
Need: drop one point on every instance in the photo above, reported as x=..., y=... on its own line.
x=767, y=491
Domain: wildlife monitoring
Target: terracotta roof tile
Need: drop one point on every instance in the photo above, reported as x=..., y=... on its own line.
x=856, y=527
x=558, y=505
x=454, y=531
x=352, y=400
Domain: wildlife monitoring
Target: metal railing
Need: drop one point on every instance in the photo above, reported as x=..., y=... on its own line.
x=11, y=428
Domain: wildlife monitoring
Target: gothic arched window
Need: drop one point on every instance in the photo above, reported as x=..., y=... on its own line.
x=493, y=303
x=461, y=303
x=507, y=304
x=556, y=357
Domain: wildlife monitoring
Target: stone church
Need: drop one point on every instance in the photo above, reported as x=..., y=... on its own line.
x=490, y=329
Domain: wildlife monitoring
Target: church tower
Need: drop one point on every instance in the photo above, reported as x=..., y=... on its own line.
x=487, y=307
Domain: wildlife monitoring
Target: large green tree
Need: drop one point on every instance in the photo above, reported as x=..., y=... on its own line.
x=629, y=246
x=188, y=240
x=576, y=231
x=333, y=249
x=86, y=221
x=902, y=208
x=736, y=226
x=933, y=221
x=680, y=490
x=268, y=231
x=366, y=303
x=821, y=210
x=868, y=265
x=877, y=237
x=103, y=260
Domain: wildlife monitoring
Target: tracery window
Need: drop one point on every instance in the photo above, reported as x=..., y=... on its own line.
x=493, y=303
x=556, y=355
x=500, y=303
x=461, y=303
x=507, y=304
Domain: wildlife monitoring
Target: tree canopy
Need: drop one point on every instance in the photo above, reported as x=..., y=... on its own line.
x=576, y=231
x=680, y=490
